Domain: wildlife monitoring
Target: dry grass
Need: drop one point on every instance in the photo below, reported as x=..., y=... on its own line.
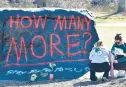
x=114, y=18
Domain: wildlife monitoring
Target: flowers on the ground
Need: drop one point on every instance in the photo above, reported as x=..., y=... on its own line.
x=34, y=77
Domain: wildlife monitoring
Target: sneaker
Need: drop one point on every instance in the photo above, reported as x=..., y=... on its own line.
x=124, y=77
x=104, y=79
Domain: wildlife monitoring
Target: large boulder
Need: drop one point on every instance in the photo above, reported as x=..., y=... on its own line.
x=51, y=43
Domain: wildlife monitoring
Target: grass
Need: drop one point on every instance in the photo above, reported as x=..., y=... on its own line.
x=107, y=33
x=114, y=18
x=111, y=19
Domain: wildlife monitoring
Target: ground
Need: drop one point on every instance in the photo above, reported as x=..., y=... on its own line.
x=119, y=82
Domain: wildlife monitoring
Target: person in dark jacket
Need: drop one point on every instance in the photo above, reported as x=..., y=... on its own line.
x=119, y=50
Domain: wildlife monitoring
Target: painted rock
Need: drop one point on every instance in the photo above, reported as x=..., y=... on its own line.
x=43, y=41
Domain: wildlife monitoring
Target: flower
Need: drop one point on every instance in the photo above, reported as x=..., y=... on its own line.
x=34, y=77
x=52, y=65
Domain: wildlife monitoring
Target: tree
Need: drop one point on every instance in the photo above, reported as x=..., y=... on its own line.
x=41, y=3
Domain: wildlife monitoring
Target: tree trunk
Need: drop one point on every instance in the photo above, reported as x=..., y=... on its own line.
x=121, y=6
x=41, y=3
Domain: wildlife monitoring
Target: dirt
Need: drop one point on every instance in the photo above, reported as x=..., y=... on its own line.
x=115, y=82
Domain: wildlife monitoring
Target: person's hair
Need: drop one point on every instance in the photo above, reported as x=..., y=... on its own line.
x=118, y=37
x=98, y=44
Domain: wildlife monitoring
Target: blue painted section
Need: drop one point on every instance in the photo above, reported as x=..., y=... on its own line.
x=66, y=67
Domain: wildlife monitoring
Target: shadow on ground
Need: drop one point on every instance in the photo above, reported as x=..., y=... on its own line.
x=65, y=83
x=112, y=81
x=88, y=83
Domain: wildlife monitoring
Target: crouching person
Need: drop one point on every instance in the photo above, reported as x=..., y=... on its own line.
x=99, y=61
x=119, y=50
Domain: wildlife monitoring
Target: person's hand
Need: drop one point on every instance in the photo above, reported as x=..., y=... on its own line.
x=115, y=61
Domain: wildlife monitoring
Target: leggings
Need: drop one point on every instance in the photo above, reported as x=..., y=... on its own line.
x=99, y=67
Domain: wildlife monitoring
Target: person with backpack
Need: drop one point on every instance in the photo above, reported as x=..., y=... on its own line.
x=119, y=50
